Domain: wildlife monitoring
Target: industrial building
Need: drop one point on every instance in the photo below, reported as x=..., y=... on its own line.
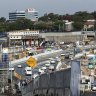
x=23, y=37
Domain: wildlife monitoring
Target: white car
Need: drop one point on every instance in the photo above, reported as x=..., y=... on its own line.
x=28, y=71
x=47, y=64
x=41, y=71
x=19, y=66
x=11, y=69
x=93, y=88
x=51, y=67
x=35, y=75
x=52, y=61
x=43, y=68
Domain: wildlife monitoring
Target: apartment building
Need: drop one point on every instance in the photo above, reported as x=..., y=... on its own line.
x=30, y=13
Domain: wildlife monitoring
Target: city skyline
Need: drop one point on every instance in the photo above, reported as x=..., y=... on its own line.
x=47, y=6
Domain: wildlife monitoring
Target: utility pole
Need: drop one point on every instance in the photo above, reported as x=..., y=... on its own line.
x=95, y=36
x=74, y=50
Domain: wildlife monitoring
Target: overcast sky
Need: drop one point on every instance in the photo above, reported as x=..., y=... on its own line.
x=47, y=6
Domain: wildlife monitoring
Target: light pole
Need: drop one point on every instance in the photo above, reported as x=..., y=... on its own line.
x=74, y=50
x=31, y=74
x=14, y=50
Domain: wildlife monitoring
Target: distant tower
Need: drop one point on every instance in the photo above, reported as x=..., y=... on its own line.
x=16, y=14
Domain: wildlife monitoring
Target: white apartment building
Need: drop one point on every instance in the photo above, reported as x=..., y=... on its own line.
x=23, y=37
x=30, y=13
x=68, y=26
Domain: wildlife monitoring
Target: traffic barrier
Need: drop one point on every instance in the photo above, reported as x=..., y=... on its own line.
x=49, y=84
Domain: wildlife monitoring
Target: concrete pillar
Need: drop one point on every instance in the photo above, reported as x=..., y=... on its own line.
x=75, y=78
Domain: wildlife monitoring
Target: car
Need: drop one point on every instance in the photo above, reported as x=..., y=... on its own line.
x=19, y=66
x=50, y=58
x=67, y=56
x=48, y=61
x=51, y=67
x=52, y=61
x=11, y=69
x=47, y=64
x=58, y=59
x=41, y=71
x=94, y=88
x=43, y=68
x=62, y=54
x=35, y=75
x=28, y=71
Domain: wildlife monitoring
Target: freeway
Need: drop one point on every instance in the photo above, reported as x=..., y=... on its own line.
x=41, y=59
x=48, y=55
x=41, y=63
x=38, y=57
x=21, y=71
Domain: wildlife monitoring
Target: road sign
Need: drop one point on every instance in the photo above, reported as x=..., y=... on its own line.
x=31, y=62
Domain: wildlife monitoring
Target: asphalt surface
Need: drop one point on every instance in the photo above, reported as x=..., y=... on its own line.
x=21, y=71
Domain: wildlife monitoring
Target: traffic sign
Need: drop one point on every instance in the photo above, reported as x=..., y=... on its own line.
x=31, y=62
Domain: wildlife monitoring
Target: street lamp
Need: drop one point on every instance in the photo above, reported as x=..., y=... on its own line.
x=95, y=35
x=74, y=50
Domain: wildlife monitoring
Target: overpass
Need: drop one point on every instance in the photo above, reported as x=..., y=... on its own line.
x=67, y=36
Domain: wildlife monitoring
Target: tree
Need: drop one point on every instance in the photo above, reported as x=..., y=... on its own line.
x=23, y=23
x=2, y=19
x=81, y=16
x=94, y=14
x=95, y=26
x=77, y=26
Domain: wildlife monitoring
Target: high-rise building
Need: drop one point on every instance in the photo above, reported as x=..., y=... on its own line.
x=16, y=14
x=31, y=14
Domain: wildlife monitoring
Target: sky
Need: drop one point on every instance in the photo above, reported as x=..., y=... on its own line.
x=47, y=6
